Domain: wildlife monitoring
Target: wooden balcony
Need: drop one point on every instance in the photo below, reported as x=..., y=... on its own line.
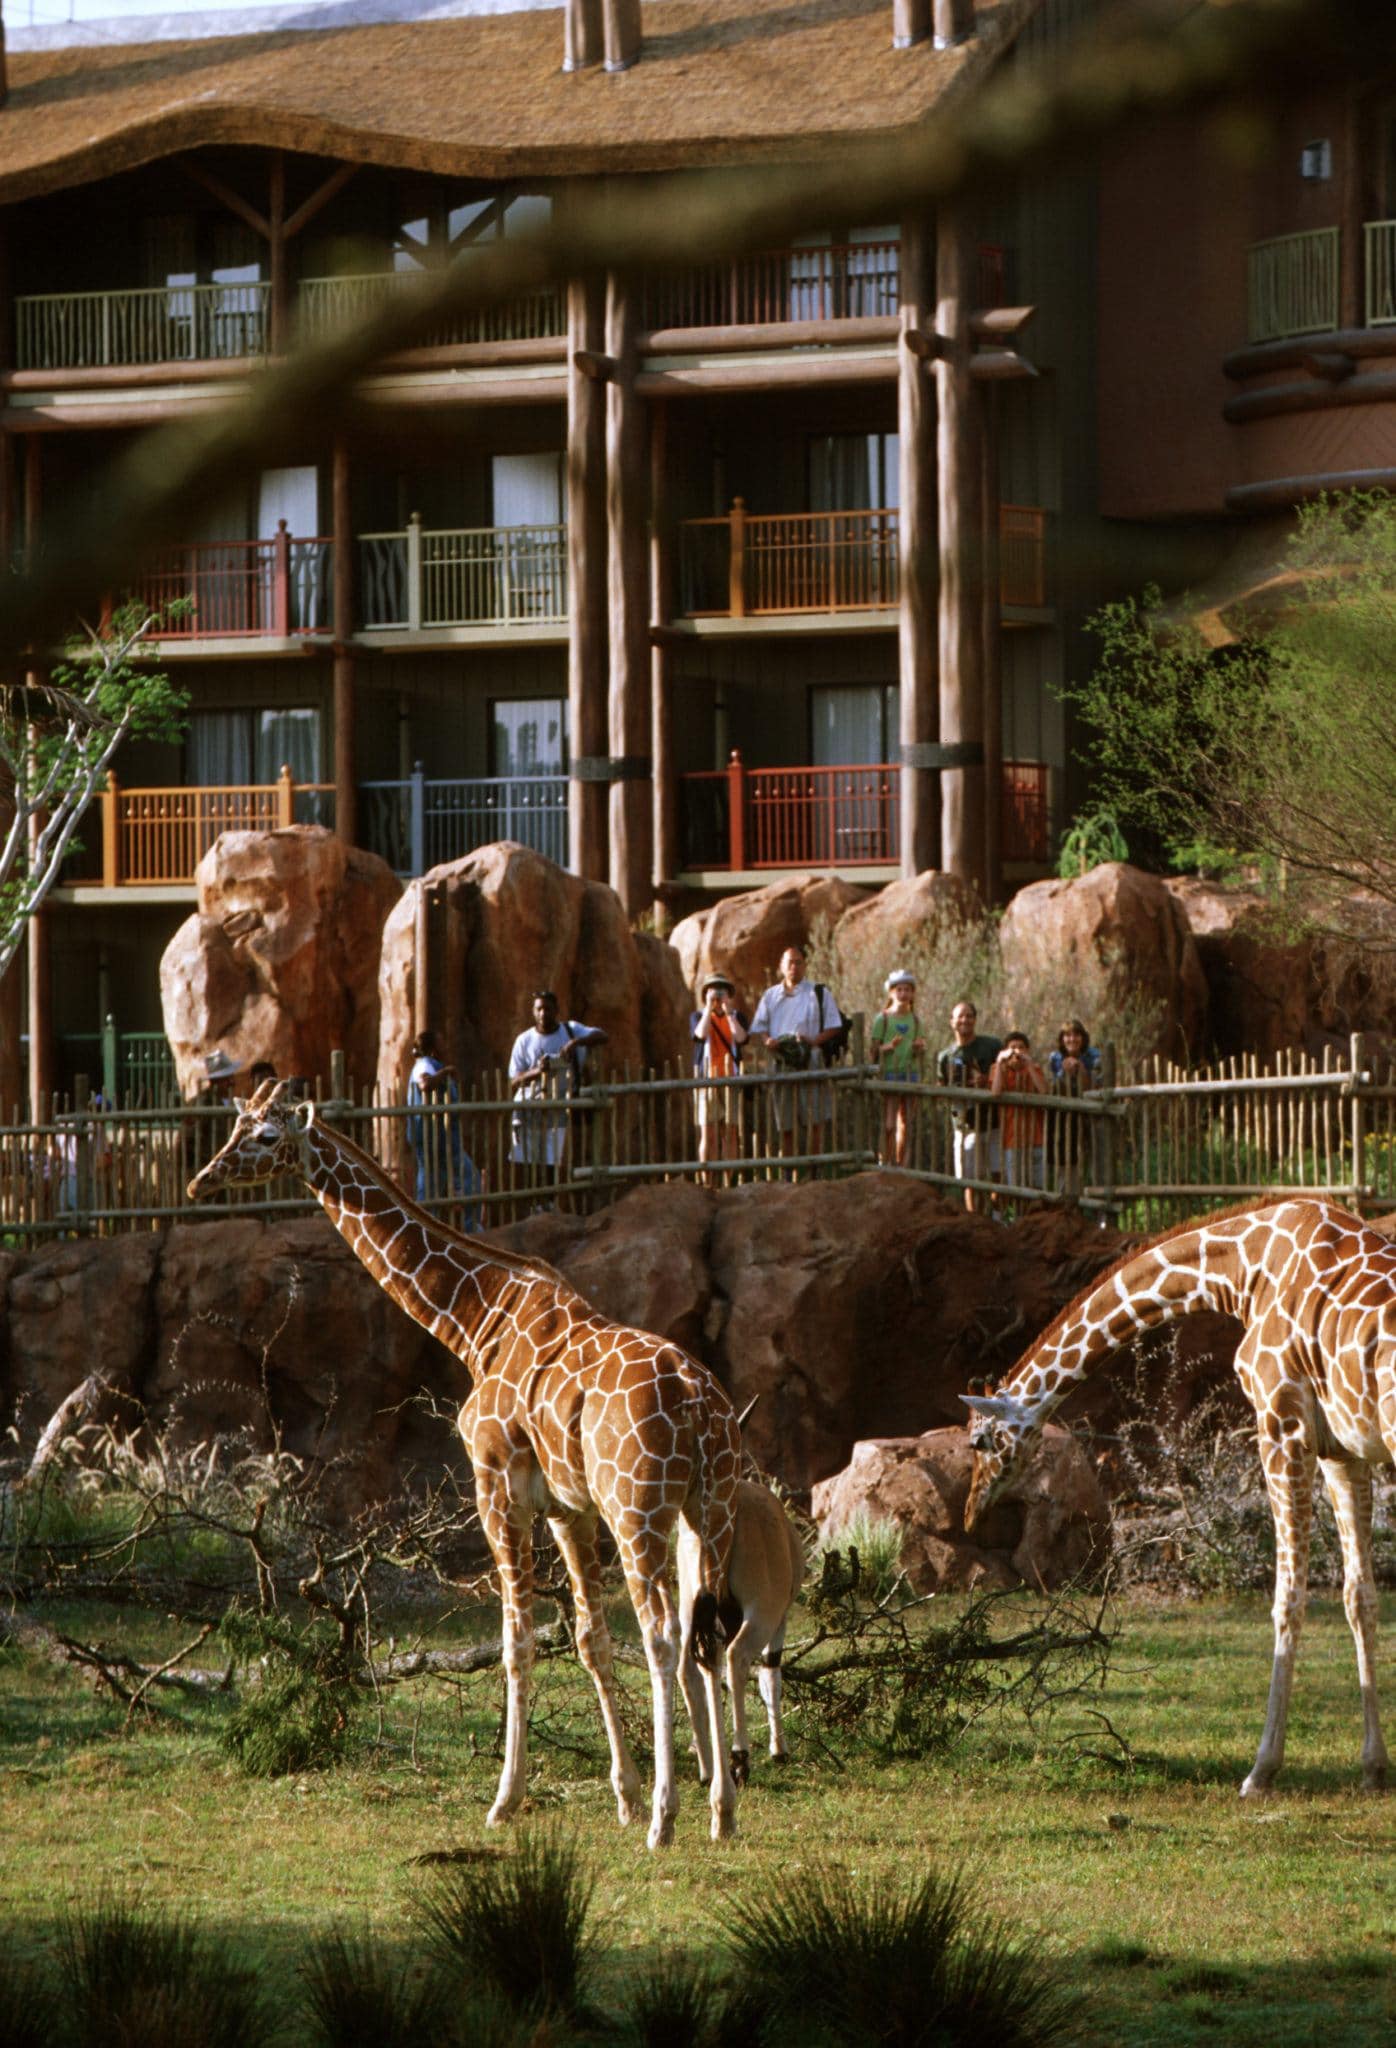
x=842, y=281
x=745, y=566
x=169, y=324
x=420, y=579
x=157, y=837
x=736, y=819
x=240, y=589
x=328, y=305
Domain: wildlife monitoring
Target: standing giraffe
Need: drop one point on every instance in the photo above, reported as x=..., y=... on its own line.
x=570, y=1415
x=1315, y=1290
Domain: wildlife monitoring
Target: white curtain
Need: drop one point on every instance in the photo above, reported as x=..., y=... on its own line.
x=529, y=735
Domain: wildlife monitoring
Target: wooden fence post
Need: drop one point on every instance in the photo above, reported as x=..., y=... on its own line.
x=281, y=582
x=1357, y=1049
x=111, y=833
x=339, y=1086
x=1104, y=1094
x=285, y=798
x=736, y=561
x=736, y=813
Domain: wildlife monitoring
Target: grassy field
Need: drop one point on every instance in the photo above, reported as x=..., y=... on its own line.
x=1181, y=1912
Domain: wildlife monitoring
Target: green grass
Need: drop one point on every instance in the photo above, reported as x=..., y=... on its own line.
x=1181, y=1913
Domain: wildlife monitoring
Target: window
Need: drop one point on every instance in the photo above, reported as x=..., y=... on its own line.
x=235, y=748
x=854, y=472
x=528, y=736
x=853, y=724
x=182, y=250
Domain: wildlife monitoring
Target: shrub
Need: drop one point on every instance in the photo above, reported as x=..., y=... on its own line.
x=923, y=1964
x=299, y=1717
x=139, y=1977
x=517, y=1926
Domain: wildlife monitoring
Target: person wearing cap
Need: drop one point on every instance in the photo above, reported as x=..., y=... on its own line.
x=898, y=1045
x=719, y=1031
x=796, y=1019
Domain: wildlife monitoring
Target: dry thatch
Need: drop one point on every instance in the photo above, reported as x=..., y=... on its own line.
x=720, y=82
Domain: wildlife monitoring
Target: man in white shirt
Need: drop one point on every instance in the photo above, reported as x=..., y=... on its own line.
x=796, y=1019
x=545, y=1064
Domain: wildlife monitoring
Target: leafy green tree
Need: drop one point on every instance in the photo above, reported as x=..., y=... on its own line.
x=58, y=737
x=1279, y=749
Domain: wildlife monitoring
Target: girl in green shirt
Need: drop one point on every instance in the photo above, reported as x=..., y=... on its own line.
x=898, y=1046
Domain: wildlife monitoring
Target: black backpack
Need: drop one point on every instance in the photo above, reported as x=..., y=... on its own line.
x=837, y=1047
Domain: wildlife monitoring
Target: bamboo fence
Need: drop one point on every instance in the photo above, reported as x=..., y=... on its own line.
x=1142, y=1153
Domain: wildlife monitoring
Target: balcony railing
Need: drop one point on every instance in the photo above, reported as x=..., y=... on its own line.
x=466, y=576
x=328, y=305
x=418, y=823
x=168, y=324
x=738, y=818
x=845, y=281
x=745, y=566
x=1292, y=285
x=240, y=588
x=153, y=836
x=1379, y=271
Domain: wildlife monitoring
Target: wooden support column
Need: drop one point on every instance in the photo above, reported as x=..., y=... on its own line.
x=345, y=747
x=277, y=266
x=916, y=621
x=954, y=22
x=586, y=583
x=911, y=24
x=665, y=785
x=991, y=642
x=958, y=490
x=627, y=583
x=581, y=34
x=621, y=33
x=1352, y=251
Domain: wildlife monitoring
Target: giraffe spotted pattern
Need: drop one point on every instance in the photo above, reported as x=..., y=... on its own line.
x=1315, y=1292
x=571, y=1416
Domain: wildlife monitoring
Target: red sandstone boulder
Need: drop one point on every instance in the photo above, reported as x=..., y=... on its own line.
x=1050, y=1527
x=500, y=924
x=1117, y=931
x=901, y=921
x=1260, y=990
x=745, y=935
x=280, y=962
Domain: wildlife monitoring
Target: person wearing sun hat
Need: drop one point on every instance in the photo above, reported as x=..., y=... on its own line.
x=898, y=1045
x=719, y=1031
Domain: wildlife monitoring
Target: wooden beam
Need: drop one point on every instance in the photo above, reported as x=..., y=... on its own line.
x=991, y=642
x=770, y=334
x=586, y=574
x=627, y=585
x=1000, y=323
x=662, y=661
x=917, y=653
x=999, y=365
x=226, y=196
x=279, y=323
x=319, y=198
x=342, y=620
x=799, y=372
x=592, y=363
x=962, y=794
x=925, y=347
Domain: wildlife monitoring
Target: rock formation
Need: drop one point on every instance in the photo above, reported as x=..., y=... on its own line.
x=1119, y=930
x=280, y=962
x=745, y=935
x=498, y=925
x=902, y=920
x=1051, y=1527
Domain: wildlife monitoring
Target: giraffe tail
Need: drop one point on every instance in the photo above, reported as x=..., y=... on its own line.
x=707, y=1630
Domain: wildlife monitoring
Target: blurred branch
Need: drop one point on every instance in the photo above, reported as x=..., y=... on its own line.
x=1027, y=117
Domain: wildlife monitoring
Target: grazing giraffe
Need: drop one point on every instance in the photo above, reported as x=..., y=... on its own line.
x=1315, y=1291
x=570, y=1415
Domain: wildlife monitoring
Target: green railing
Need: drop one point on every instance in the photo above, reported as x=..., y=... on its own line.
x=1292, y=285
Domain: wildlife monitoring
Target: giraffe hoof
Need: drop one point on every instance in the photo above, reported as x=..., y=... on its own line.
x=1256, y=1788
x=741, y=1767
x=1374, y=1778
x=724, y=1825
x=662, y=1832
x=499, y=1814
x=628, y=1808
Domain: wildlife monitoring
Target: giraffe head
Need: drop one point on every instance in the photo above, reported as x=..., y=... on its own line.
x=1003, y=1433
x=264, y=1142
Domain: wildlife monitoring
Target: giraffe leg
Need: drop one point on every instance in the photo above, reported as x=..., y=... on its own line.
x=1350, y=1490
x=1287, y=1459
x=507, y=1524
x=768, y=1678
x=575, y=1537
x=645, y=1558
x=690, y=1676
x=741, y=1655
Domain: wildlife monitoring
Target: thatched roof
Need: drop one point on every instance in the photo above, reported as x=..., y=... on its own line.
x=719, y=82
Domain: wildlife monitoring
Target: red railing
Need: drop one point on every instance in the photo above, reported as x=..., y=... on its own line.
x=737, y=818
x=746, y=565
x=236, y=589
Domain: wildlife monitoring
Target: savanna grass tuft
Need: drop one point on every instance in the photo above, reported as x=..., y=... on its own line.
x=680, y=2003
x=29, y=2001
x=140, y=1977
x=517, y=1927
x=359, y=1987
x=919, y=1966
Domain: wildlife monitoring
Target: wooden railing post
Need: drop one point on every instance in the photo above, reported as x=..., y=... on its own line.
x=736, y=561
x=111, y=1060
x=285, y=798
x=111, y=833
x=414, y=572
x=281, y=582
x=1107, y=1126
x=417, y=821
x=736, y=812
x=1357, y=1053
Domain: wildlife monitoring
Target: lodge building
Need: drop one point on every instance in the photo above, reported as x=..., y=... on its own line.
x=634, y=573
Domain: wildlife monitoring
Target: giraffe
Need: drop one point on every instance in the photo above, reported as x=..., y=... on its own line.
x=570, y=1415
x=1315, y=1291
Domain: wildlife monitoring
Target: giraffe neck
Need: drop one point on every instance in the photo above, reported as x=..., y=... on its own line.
x=448, y=1282
x=1196, y=1269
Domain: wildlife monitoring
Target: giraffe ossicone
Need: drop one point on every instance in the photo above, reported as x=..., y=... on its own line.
x=1315, y=1291
x=570, y=1414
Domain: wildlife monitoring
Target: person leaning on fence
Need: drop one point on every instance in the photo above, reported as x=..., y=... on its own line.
x=719, y=1031
x=966, y=1063
x=544, y=1067
x=1022, y=1130
x=1073, y=1068
x=799, y=1022
x=444, y=1167
x=899, y=1046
